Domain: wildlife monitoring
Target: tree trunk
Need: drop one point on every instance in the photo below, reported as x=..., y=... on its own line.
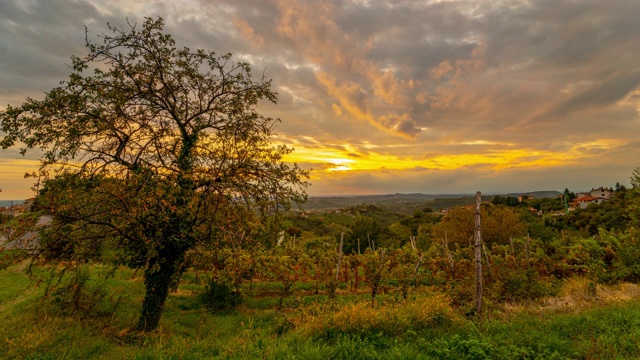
x=159, y=276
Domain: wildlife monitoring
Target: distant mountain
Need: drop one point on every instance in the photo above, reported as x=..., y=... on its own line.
x=7, y=203
x=324, y=202
x=407, y=203
x=402, y=203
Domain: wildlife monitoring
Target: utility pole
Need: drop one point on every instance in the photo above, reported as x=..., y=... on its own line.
x=478, y=254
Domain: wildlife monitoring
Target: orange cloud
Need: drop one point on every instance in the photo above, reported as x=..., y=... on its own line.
x=321, y=42
x=247, y=32
x=336, y=109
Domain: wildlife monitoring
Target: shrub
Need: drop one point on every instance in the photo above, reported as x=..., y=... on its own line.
x=219, y=296
x=75, y=293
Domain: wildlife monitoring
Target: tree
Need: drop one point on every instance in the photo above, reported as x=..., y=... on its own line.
x=635, y=178
x=154, y=150
x=367, y=230
x=570, y=195
x=619, y=187
x=499, y=223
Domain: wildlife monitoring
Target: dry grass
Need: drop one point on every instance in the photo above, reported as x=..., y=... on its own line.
x=389, y=319
x=578, y=294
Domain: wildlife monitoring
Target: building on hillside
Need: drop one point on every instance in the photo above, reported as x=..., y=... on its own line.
x=602, y=192
x=14, y=210
x=17, y=209
x=29, y=203
x=522, y=198
x=584, y=201
x=595, y=196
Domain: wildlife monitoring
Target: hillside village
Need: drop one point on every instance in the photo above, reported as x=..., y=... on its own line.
x=595, y=196
x=17, y=208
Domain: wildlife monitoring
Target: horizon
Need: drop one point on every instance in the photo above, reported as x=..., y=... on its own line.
x=385, y=97
x=30, y=193
x=462, y=194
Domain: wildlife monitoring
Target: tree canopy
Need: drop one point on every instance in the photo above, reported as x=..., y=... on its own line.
x=499, y=223
x=153, y=149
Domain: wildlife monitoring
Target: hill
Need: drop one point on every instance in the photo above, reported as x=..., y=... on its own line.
x=407, y=203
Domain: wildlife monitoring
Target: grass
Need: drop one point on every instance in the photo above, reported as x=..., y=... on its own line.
x=584, y=322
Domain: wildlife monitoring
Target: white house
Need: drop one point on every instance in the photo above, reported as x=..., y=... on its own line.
x=584, y=201
x=595, y=196
x=601, y=192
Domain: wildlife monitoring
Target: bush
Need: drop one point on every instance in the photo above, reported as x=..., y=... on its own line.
x=219, y=296
x=76, y=294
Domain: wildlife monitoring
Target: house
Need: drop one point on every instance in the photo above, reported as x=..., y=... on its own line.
x=524, y=198
x=595, y=196
x=601, y=192
x=584, y=201
x=29, y=203
x=13, y=210
x=17, y=209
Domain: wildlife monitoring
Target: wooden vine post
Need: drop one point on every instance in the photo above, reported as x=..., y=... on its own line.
x=339, y=256
x=447, y=253
x=478, y=254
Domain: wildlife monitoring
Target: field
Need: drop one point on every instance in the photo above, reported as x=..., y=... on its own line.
x=96, y=322
x=355, y=283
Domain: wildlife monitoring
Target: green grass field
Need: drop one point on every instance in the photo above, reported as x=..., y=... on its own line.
x=306, y=327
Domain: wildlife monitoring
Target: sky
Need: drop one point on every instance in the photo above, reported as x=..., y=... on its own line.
x=381, y=97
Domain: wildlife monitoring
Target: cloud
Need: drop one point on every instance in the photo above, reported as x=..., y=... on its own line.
x=594, y=96
x=248, y=32
x=504, y=93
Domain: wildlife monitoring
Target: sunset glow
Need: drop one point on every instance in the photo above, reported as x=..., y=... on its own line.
x=386, y=97
x=328, y=159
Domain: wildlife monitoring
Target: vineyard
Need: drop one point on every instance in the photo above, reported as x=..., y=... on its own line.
x=372, y=285
x=525, y=269
x=361, y=282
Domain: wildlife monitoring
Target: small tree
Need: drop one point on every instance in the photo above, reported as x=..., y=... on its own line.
x=368, y=230
x=635, y=178
x=153, y=149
